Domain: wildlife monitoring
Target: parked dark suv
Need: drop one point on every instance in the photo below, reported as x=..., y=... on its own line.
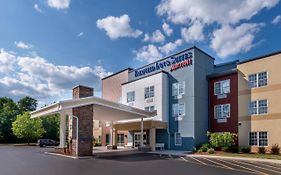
x=47, y=142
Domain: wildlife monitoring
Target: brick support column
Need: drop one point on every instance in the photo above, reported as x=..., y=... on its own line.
x=85, y=123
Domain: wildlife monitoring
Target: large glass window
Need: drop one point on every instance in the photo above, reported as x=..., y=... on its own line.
x=178, y=88
x=178, y=139
x=258, y=107
x=149, y=92
x=222, y=111
x=130, y=96
x=178, y=109
x=258, y=138
x=258, y=80
x=149, y=108
x=222, y=87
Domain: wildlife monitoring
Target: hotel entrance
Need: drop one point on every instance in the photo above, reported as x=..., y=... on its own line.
x=137, y=139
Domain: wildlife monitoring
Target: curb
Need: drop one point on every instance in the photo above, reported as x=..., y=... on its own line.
x=67, y=156
x=238, y=158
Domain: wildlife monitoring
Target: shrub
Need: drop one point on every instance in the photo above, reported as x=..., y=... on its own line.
x=246, y=149
x=205, y=147
x=222, y=140
x=225, y=149
x=275, y=149
x=261, y=150
x=234, y=149
x=211, y=151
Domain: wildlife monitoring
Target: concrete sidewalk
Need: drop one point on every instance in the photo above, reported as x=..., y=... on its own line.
x=171, y=152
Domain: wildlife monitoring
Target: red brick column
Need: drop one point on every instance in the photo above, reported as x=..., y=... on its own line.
x=85, y=124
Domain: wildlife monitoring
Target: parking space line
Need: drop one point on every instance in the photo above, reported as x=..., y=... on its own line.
x=271, y=166
x=198, y=161
x=216, y=166
x=252, y=170
x=278, y=172
x=220, y=164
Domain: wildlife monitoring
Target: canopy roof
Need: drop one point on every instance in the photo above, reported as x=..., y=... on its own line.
x=104, y=110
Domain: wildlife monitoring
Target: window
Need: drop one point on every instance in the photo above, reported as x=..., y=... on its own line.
x=258, y=107
x=222, y=87
x=253, y=139
x=222, y=111
x=258, y=138
x=178, y=88
x=130, y=96
x=178, y=109
x=149, y=108
x=258, y=80
x=253, y=108
x=262, y=138
x=149, y=92
x=178, y=139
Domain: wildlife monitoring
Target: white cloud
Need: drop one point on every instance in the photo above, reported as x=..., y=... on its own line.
x=167, y=29
x=36, y=77
x=59, y=4
x=80, y=34
x=23, y=45
x=157, y=37
x=37, y=8
x=276, y=20
x=148, y=53
x=6, y=61
x=194, y=33
x=228, y=40
x=206, y=11
x=117, y=27
x=171, y=46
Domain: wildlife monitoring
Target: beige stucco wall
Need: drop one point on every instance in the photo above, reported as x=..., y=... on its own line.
x=270, y=122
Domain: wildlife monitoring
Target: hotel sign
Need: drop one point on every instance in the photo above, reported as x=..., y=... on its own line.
x=173, y=63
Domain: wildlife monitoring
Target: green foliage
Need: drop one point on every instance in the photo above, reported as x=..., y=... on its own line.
x=51, y=125
x=27, y=128
x=205, y=147
x=222, y=140
x=261, y=150
x=211, y=151
x=27, y=104
x=246, y=149
x=8, y=112
x=275, y=149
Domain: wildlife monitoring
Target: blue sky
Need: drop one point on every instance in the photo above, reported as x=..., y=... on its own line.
x=49, y=46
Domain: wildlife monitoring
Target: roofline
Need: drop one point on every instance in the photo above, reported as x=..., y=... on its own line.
x=260, y=57
x=128, y=68
x=227, y=63
x=162, y=71
x=224, y=73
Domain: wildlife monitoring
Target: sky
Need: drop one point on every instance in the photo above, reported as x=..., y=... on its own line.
x=49, y=46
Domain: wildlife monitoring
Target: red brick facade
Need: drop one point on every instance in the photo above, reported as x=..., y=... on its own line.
x=231, y=125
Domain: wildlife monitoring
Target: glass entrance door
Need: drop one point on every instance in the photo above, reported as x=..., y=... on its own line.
x=137, y=139
x=120, y=140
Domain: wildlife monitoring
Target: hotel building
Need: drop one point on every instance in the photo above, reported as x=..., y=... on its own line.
x=173, y=102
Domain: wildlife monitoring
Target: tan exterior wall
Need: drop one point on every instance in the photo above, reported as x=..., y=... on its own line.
x=111, y=87
x=270, y=122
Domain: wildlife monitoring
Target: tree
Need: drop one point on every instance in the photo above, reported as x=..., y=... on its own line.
x=27, y=104
x=8, y=112
x=27, y=128
x=51, y=125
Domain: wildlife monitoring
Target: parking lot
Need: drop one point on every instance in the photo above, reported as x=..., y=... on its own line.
x=33, y=160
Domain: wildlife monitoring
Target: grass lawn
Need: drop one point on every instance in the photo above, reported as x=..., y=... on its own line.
x=249, y=155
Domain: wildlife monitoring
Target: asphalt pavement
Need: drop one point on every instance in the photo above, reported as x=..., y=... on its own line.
x=33, y=161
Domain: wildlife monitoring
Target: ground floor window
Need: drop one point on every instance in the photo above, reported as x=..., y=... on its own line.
x=258, y=138
x=120, y=140
x=107, y=139
x=178, y=139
